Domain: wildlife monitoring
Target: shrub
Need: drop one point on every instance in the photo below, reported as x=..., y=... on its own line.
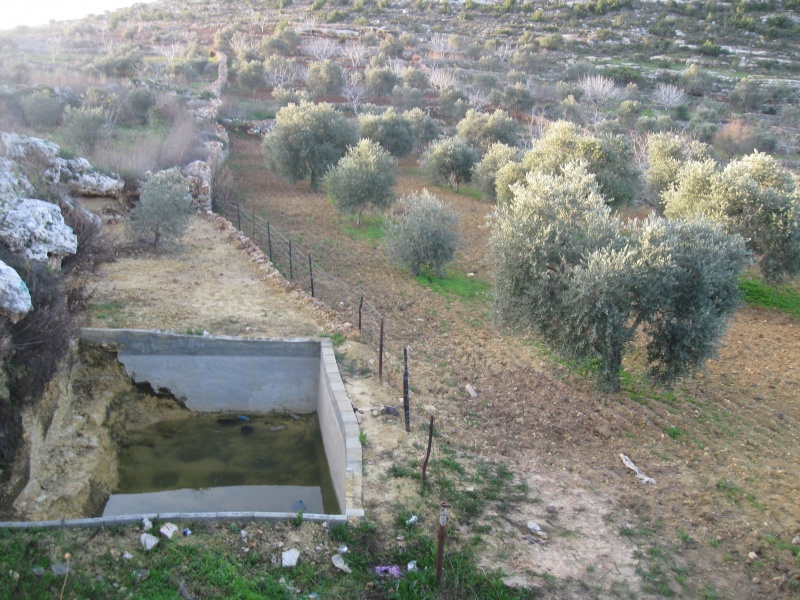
x=423, y=126
x=363, y=177
x=567, y=269
x=485, y=172
x=85, y=128
x=307, y=140
x=325, y=79
x=406, y=97
x=164, y=207
x=42, y=109
x=667, y=153
x=424, y=236
x=381, y=81
x=753, y=196
x=392, y=131
x=140, y=102
x=450, y=160
x=746, y=95
x=481, y=130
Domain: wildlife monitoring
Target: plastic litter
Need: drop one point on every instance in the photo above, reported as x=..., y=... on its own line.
x=412, y=566
x=187, y=532
x=390, y=410
x=243, y=418
x=392, y=570
x=339, y=563
x=629, y=463
x=342, y=550
x=412, y=520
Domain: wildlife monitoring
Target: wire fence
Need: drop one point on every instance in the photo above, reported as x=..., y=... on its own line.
x=300, y=268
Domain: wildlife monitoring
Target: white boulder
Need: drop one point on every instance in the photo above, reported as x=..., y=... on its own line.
x=42, y=155
x=12, y=182
x=15, y=299
x=37, y=229
x=82, y=179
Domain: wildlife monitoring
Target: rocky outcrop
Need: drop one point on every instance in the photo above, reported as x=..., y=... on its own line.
x=13, y=184
x=37, y=229
x=78, y=176
x=82, y=179
x=15, y=299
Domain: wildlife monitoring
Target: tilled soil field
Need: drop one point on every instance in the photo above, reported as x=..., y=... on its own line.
x=722, y=446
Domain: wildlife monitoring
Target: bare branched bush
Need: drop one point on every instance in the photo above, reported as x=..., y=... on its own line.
x=321, y=48
x=356, y=53
x=669, y=96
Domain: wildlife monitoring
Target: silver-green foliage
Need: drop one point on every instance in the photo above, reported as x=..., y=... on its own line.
x=308, y=139
x=481, y=130
x=568, y=269
x=667, y=152
x=85, y=128
x=450, y=160
x=608, y=157
x=164, y=207
x=363, y=177
x=753, y=196
x=485, y=172
x=425, y=236
x=391, y=130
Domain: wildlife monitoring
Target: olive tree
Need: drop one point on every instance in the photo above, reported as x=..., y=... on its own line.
x=424, y=236
x=485, y=172
x=481, y=130
x=753, y=196
x=570, y=271
x=450, y=160
x=363, y=177
x=666, y=154
x=164, y=207
x=391, y=130
x=608, y=157
x=307, y=140
x=325, y=78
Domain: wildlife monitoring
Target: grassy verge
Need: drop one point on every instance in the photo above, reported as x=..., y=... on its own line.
x=784, y=298
x=455, y=284
x=215, y=562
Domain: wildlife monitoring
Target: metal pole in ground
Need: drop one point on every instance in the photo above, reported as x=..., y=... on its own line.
x=269, y=242
x=440, y=547
x=427, y=455
x=360, y=306
x=380, y=354
x=291, y=268
x=311, y=275
x=406, y=407
x=238, y=217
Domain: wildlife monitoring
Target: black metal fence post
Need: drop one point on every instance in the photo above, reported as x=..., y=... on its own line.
x=311, y=275
x=269, y=243
x=291, y=268
x=406, y=407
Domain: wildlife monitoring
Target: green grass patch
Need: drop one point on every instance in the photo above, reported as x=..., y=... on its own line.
x=778, y=297
x=455, y=284
x=371, y=230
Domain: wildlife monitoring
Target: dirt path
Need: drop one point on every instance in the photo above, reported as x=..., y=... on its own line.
x=723, y=446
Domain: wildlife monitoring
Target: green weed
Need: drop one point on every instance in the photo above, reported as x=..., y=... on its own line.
x=455, y=285
x=783, y=298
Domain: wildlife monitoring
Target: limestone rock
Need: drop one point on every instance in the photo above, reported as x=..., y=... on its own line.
x=37, y=229
x=12, y=182
x=167, y=530
x=15, y=298
x=289, y=558
x=40, y=154
x=199, y=174
x=148, y=541
x=82, y=179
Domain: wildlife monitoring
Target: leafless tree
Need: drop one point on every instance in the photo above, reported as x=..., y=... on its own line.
x=504, y=52
x=598, y=92
x=396, y=66
x=440, y=43
x=241, y=42
x=442, y=78
x=169, y=51
x=669, y=96
x=282, y=71
x=356, y=53
x=321, y=48
x=262, y=21
x=354, y=89
x=478, y=97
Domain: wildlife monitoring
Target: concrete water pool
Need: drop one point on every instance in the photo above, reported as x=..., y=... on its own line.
x=269, y=431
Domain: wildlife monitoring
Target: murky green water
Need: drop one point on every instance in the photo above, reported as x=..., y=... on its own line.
x=221, y=451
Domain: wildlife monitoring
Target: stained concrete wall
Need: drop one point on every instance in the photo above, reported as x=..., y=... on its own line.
x=340, y=434
x=213, y=374
x=238, y=374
